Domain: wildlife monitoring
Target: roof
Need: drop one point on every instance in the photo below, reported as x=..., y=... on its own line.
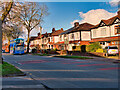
x=84, y=26
x=109, y=21
x=67, y=31
x=57, y=32
x=33, y=38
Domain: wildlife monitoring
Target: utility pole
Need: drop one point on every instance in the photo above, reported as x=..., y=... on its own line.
x=41, y=36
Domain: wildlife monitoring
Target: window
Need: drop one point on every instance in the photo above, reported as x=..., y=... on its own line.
x=49, y=46
x=74, y=47
x=106, y=47
x=52, y=46
x=116, y=42
x=94, y=33
x=64, y=35
x=117, y=29
x=52, y=39
x=42, y=40
x=103, y=43
x=48, y=39
x=72, y=36
x=103, y=31
x=45, y=40
x=60, y=37
x=113, y=48
x=77, y=35
x=112, y=42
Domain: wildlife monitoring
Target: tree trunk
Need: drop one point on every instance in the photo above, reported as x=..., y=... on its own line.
x=28, y=41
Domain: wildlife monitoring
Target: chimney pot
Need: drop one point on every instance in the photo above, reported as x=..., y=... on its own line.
x=76, y=24
x=62, y=29
x=53, y=30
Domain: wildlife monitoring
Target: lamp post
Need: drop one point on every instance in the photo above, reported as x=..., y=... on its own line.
x=40, y=36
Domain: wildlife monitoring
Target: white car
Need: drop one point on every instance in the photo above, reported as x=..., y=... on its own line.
x=111, y=50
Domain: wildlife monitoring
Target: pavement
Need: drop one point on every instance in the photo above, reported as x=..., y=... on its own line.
x=23, y=82
x=52, y=72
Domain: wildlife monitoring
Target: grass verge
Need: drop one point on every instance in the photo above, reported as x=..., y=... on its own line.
x=41, y=54
x=10, y=70
x=76, y=57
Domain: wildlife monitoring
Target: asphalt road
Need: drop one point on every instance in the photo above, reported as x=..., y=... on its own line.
x=67, y=73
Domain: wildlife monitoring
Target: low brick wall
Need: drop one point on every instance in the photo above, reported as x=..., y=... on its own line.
x=98, y=54
x=77, y=53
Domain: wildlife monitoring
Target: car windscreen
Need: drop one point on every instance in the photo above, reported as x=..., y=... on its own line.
x=113, y=48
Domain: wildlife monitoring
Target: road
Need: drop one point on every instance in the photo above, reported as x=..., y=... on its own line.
x=67, y=73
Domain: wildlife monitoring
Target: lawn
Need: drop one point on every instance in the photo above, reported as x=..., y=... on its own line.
x=41, y=54
x=9, y=70
x=76, y=57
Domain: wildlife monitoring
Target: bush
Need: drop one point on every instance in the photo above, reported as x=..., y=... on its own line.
x=100, y=50
x=93, y=47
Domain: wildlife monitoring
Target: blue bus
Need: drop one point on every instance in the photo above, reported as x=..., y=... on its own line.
x=17, y=46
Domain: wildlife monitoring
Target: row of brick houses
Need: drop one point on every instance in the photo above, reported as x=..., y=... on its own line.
x=107, y=32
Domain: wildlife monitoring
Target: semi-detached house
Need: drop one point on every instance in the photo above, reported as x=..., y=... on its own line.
x=107, y=32
x=78, y=35
x=54, y=39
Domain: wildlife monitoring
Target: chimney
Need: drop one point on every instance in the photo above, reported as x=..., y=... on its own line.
x=118, y=12
x=53, y=30
x=38, y=34
x=62, y=29
x=76, y=24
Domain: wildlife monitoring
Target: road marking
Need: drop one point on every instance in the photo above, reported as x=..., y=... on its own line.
x=33, y=61
x=111, y=68
x=75, y=62
x=92, y=65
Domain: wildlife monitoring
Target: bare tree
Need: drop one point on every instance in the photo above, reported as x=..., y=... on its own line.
x=12, y=31
x=6, y=8
x=31, y=15
x=10, y=23
x=4, y=14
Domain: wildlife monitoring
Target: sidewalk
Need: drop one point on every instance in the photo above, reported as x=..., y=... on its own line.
x=112, y=60
x=21, y=83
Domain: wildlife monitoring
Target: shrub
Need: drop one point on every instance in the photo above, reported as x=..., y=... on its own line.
x=93, y=47
x=100, y=50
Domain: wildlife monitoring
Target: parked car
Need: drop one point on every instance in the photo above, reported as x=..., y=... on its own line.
x=111, y=50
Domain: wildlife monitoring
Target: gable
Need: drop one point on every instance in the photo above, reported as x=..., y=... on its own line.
x=102, y=24
x=117, y=21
